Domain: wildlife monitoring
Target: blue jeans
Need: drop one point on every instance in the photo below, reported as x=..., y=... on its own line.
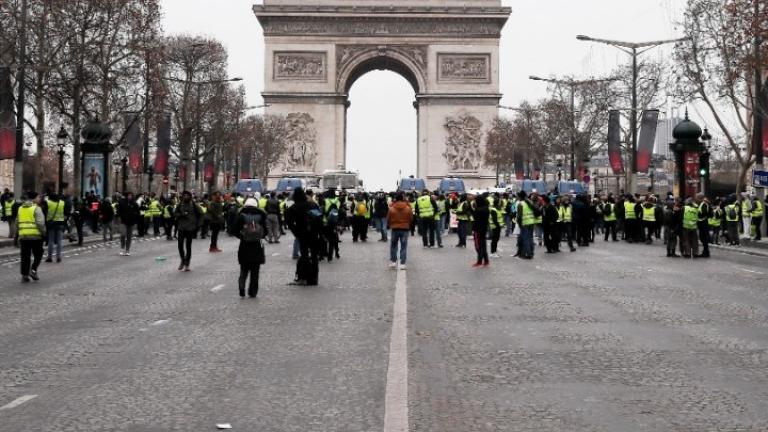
x=525, y=240
x=401, y=237
x=381, y=227
x=54, y=236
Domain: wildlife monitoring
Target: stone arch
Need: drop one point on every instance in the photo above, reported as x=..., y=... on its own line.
x=354, y=62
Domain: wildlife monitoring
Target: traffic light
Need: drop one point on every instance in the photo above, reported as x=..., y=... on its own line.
x=704, y=164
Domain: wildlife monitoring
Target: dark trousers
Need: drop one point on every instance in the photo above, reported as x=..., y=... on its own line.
x=566, y=230
x=215, y=229
x=307, y=266
x=168, y=228
x=757, y=222
x=253, y=286
x=671, y=238
x=610, y=229
x=428, y=231
x=141, y=226
x=359, y=228
x=462, y=232
x=156, y=223
x=551, y=237
x=495, y=236
x=29, y=249
x=481, y=246
x=649, y=229
x=332, y=240
x=126, y=234
x=704, y=237
x=185, y=246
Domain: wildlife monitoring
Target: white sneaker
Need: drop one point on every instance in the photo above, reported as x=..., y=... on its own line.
x=122, y=253
x=403, y=267
x=393, y=265
x=495, y=256
x=127, y=254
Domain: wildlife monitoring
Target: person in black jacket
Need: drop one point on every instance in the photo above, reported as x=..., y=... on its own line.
x=581, y=220
x=549, y=224
x=480, y=230
x=250, y=255
x=128, y=215
x=307, y=233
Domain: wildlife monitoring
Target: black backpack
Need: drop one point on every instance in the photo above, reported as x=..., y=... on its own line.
x=607, y=209
x=732, y=212
x=252, y=231
x=314, y=221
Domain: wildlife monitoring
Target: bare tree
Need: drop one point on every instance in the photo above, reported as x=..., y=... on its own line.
x=267, y=140
x=717, y=65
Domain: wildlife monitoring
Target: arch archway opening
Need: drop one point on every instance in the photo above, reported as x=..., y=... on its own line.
x=381, y=136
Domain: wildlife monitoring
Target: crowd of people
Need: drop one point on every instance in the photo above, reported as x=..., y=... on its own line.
x=318, y=222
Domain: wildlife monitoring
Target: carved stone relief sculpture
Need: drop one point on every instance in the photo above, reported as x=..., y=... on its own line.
x=301, y=143
x=464, y=67
x=300, y=66
x=416, y=53
x=463, y=145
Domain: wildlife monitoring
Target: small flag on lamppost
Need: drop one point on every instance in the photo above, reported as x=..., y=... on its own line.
x=7, y=120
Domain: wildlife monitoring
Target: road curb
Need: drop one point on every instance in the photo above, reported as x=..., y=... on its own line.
x=750, y=251
x=7, y=249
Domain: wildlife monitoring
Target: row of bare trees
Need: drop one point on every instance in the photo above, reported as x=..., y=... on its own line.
x=103, y=58
x=540, y=133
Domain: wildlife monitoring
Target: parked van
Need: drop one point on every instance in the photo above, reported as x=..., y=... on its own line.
x=411, y=184
x=571, y=187
x=451, y=185
x=248, y=187
x=289, y=184
x=540, y=186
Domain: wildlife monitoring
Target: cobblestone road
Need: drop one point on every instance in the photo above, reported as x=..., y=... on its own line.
x=612, y=338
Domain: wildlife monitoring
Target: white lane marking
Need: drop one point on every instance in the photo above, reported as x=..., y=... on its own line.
x=160, y=322
x=751, y=271
x=396, y=398
x=18, y=402
x=217, y=288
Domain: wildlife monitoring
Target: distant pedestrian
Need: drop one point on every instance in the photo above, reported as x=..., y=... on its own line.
x=250, y=228
x=305, y=220
x=127, y=215
x=480, y=230
x=189, y=218
x=399, y=219
x=272, y=209
x=215, y=220
x=31, y=230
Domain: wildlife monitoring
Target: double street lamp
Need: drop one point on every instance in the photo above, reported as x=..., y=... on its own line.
x=572, y=84
x=634, y=49
x=61, y=141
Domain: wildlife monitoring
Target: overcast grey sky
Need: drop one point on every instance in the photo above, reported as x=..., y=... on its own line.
x=539, y=39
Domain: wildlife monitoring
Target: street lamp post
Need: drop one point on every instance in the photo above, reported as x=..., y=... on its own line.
x=116, y=168
x=572, y=84
x=61, y=142
x=124, y=161
x=634, y=49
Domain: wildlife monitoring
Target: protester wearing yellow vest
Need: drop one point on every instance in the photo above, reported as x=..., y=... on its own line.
x=8, y=215
x=758, y=214
x=732, y=222
x=689, y=237
x=565, y=219
x=526, y=219
x=649, y=219
x=426, y=209
x=32, y=229
x=496, y=224
x=609, y=218
x=55, y=225
x=463, y=214
x=715, y=222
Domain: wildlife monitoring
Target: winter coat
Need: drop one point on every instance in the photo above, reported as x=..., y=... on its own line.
x=249, y=253
x=188, y=216
x=127, y=212
x=400, y=216
x=216, y=212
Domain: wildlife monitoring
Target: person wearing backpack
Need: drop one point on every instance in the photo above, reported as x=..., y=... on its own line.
x=332, y=218
x=359, y=221
x=250, y=227
x=272, y=208
x=732, y=221
x=301, y=224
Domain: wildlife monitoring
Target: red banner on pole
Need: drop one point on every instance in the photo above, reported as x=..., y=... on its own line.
x=133, y=141
x=7, y=116
x=650, y=123
x=163, y=145
x=614, y=143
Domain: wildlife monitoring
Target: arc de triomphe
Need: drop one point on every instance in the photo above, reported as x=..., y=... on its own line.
x=447, y=49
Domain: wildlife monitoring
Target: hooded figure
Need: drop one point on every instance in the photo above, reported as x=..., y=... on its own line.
x=250, y=227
